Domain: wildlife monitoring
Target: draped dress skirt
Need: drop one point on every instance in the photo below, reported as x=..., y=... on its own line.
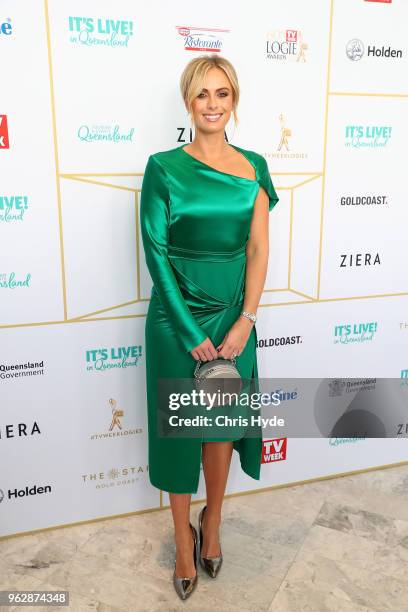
x=195, y=224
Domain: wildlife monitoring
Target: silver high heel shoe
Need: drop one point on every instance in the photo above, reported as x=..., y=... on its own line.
x=211, y=565
x=185, y=586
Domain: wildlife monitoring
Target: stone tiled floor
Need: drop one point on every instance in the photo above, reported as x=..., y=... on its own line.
x=335, y=545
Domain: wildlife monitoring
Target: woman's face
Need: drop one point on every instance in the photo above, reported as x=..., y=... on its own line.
x=211, y=109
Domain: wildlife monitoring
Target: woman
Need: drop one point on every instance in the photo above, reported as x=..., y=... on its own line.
x=204, y=223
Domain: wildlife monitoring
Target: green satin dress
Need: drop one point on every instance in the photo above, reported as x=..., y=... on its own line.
x=195, y=223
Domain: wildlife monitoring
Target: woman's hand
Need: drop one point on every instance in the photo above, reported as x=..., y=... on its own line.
x=204, y=351
x=236, y=338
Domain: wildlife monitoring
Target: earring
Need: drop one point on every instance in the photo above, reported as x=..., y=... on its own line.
x=191, y=128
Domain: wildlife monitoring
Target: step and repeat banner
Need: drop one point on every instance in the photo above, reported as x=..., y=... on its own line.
x=89, y=90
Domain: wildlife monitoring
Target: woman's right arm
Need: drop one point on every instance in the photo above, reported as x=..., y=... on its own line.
x=154, y=219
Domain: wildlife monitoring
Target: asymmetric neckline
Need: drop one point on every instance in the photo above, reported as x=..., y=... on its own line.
x=243, y=178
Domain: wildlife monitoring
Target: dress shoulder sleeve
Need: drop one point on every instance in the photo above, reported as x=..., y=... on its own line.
x=154, y=222
x=266, y=182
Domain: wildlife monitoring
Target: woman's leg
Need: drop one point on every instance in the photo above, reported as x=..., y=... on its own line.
x=180, y=507
x=216, y=459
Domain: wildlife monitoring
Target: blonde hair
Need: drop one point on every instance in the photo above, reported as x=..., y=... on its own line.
x=193, y=75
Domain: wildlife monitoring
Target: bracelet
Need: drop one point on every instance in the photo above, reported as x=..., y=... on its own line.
x=249, y=315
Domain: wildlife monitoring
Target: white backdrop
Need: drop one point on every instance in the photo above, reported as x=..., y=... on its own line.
x=89, y=90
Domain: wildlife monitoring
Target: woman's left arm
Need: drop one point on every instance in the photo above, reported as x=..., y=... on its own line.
x=257, y=254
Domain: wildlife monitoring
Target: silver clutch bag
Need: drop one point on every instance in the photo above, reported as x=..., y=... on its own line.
x=219, y=375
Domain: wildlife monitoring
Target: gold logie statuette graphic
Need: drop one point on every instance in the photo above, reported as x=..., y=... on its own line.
x=301, y=57
x=116, y=413
x=285, y=133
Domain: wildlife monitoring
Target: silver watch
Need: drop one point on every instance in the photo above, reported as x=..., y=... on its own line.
x=249, y=315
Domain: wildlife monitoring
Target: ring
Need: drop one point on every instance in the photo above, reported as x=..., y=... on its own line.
x=234, y=355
